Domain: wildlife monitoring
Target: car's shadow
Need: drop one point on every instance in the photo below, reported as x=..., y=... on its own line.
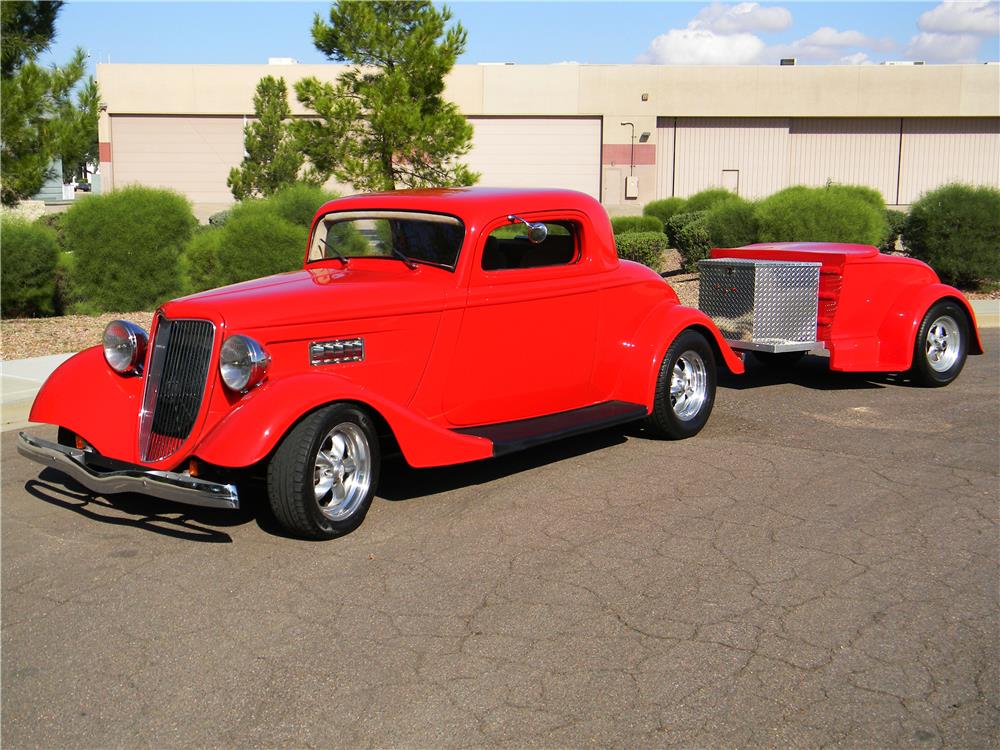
x=810, y=372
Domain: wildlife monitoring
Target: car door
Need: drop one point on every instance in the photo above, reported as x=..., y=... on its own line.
x=528, y=336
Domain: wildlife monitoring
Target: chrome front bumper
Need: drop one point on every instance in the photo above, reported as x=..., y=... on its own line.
x=167, y=485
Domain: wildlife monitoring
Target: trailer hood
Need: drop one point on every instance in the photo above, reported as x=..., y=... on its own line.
x=318, y=295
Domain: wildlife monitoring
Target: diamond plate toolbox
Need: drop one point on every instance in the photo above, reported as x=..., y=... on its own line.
x=761, y=301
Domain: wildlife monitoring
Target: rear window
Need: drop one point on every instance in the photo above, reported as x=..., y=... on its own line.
x=434, y=239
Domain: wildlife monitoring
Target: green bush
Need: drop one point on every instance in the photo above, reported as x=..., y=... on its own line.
x=30, y=253
x=298, y=203
x=622, y=224
x=57, y=223
x=127, y=246
x=694, y=241
x=68, y=296
x=642, y=247
x=956, y=230
x=871, y=196
x=678, y=222
x=664, y=209
x=707, y=199
x=895, y=220
x=732, y=224
x=257, y=242
x=218, y=218
x=200, y=263
x=824, y=214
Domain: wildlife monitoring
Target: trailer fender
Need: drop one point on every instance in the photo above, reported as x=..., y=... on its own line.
x=898, y=332
x=253, y=429
x=652, y=339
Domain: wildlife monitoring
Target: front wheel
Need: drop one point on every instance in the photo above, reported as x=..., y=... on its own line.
x=942, y=345
x=685, y=388
x=322, y=477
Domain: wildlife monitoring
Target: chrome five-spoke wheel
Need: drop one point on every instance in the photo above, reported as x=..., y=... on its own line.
x=688, y=385
x=943, y=343
x=342, y=473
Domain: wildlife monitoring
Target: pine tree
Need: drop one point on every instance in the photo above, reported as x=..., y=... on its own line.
x=273, y=159
x=384, y=123
x=39, y=120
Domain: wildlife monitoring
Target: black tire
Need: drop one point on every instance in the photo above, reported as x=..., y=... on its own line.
x=941, y=346
x=680, y=418
x=778, y=362
x=297, y=473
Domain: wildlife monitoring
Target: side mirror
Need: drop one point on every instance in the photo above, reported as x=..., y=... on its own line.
x=536, y=232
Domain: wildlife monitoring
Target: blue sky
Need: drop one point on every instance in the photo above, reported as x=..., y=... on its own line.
x=553, y=32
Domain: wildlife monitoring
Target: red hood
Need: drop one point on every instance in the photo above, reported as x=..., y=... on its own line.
x=368, y=288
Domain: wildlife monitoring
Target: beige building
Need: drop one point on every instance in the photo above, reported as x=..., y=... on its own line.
x=902, y=129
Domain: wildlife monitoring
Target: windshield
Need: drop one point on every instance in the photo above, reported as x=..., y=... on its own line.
x=417, y=237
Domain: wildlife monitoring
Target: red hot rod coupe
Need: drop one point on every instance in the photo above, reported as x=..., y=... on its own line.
x=458, y=325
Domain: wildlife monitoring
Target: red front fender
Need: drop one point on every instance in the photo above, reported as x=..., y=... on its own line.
x=252, y=430
x=645, y=351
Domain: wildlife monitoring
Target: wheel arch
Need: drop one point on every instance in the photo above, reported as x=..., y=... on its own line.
x=898, y=332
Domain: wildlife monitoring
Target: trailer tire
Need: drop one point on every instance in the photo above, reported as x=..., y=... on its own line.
x=941, y=346
x=685, y=388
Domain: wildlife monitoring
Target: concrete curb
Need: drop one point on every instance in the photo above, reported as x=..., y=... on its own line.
x=21, y=379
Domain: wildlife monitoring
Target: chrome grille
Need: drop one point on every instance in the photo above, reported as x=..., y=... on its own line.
x=175, y=385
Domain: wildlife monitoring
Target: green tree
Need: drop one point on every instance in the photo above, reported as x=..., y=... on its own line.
x=273, y=158
x=385, y=123
x=40, y=119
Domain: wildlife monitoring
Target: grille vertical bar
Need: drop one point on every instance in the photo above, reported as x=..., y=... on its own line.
x=175, y=385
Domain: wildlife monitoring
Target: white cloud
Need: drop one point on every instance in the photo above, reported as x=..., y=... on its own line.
x=692, y=46
x=743, y=17
x=943, y=48
x=858, y=58
x=827, y=36
x=966, y=17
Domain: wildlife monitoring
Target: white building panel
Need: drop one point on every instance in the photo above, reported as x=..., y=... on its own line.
x=537, y=152
x=937, y=151
x=851, y=151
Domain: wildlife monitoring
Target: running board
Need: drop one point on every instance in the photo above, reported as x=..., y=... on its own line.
x=508, y=437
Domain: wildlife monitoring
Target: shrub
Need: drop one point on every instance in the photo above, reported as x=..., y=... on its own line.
x=218, y=218
x=622, y=224
x=895, y=221
x=707, y=199
x=201, y=266
x=68, y=296
x=298, y=203
x=257, y=242
x=871, y=196
x=732, y=224
x=664, y=209
x=57, y=223
x=820, y=215
x=30, y=253
x=642, y=247
x=678, y=222
x=956, y=229
x=694, y=241
x=127, y=245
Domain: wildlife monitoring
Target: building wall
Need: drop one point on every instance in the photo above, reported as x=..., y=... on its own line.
x=900, y=129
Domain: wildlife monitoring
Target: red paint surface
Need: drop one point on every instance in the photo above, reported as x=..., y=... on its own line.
x=621, y=153
x=870, y=305
x=443, y=349
x=104, y=151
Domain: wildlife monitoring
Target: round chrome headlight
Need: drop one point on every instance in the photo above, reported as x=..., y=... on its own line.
x=124, y=346
x=242, y=363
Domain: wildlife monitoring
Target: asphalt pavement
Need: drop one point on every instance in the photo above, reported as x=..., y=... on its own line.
x=818, y=568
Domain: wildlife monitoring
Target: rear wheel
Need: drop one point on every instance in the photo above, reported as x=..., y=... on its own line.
x=685, y=388
x=322, y=478
x=941, y=346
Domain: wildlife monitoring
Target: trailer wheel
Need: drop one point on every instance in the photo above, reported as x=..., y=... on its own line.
x=685, y=388
x=321, y=479
x=941, y=346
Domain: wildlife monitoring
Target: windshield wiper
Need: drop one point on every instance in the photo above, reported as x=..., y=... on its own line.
x=404, y=257
x=335, y=251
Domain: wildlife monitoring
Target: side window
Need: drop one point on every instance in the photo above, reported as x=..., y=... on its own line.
x=508, y=247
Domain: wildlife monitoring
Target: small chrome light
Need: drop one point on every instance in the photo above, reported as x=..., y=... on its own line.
x=242, y=363
x=125, y=346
